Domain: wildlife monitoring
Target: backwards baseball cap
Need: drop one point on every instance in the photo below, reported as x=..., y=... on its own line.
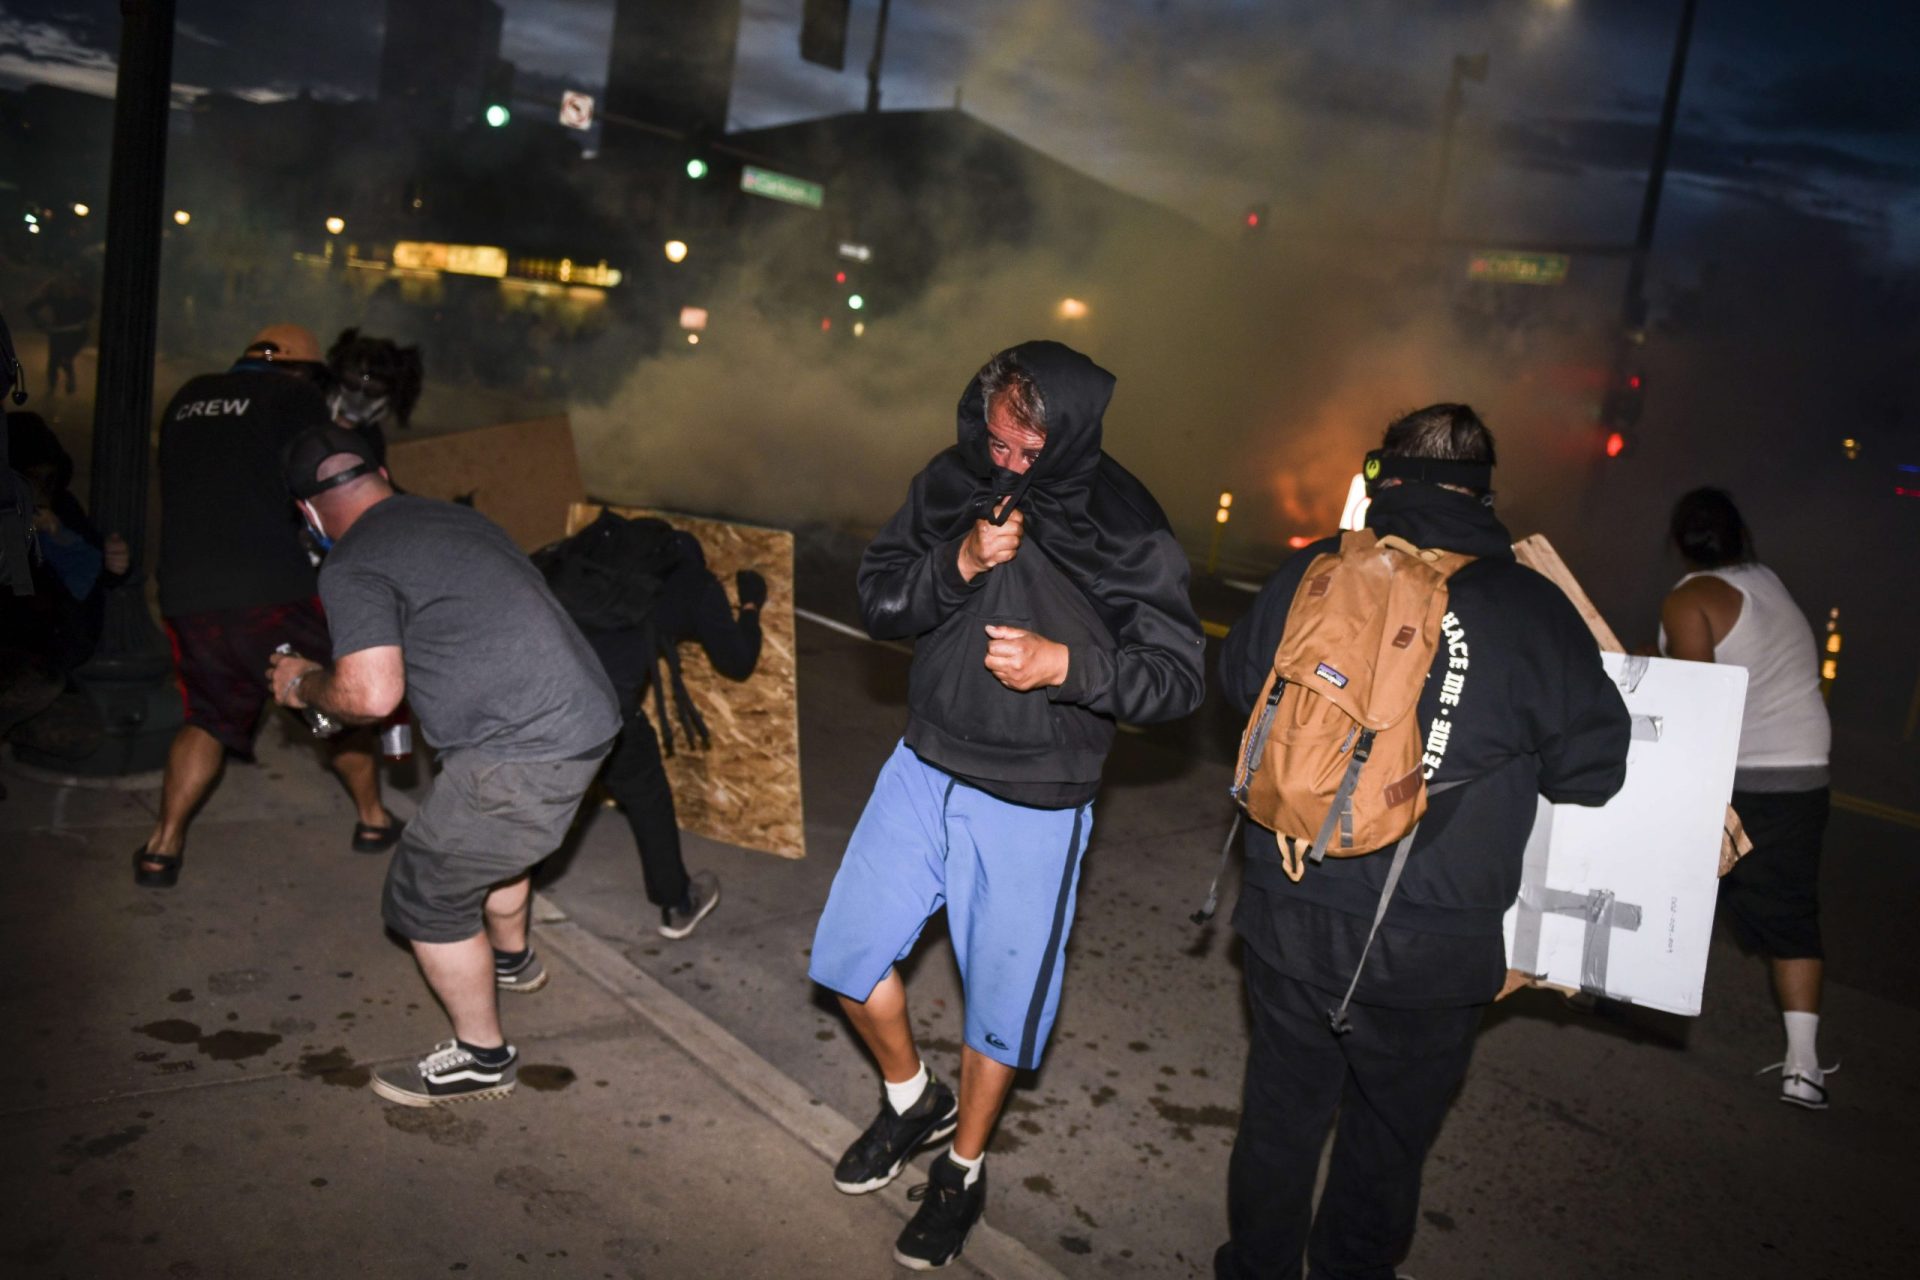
x=306, y=451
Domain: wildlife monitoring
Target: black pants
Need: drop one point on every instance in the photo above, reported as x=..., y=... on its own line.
x=1390, y=1079
x=636, y=778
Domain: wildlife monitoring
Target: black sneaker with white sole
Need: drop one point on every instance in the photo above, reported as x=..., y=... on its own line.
x=703, y=895
x=525, y=976
x=949, y=1211
x=448, y=1074
x=877, y=1156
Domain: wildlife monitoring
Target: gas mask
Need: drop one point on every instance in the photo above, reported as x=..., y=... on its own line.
x=315, y=529
x=357, y=404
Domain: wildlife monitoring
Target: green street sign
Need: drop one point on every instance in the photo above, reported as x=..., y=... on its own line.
x=782, y=186
x=1502, y=266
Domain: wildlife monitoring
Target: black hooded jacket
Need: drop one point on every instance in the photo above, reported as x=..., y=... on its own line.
x=1530, y=712
x=1098, y=570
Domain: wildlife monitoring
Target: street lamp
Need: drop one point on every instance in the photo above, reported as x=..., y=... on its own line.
x=1465, y=68
x=676, y=250
x=181, y=217
x=80, y=210
x=335, y=225
x=1072, y=309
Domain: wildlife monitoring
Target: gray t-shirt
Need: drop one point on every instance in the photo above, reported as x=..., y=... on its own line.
x=494, y=665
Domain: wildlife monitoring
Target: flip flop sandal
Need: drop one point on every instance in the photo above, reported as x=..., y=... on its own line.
x=368, y=839
x=165, y=877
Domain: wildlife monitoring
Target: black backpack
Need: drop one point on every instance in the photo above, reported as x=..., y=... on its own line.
x=608, y=577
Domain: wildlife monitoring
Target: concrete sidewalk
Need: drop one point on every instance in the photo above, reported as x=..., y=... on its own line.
x=185, y=1092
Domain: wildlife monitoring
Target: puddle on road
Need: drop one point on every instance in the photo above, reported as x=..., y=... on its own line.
x=546, y=1077
x=183, y=996
x=335, y=1067
x=222, y=1046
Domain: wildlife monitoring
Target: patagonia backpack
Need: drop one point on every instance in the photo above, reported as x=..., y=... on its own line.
x=1332, y=759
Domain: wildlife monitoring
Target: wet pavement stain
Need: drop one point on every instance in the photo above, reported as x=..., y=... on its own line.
x=1102, y=1096
x=1439, y=1220
x=233, y=1046
x=222, y=1046
x=1184, y=1119
x=335, y=1067
x=1004, y=1143
x=436, y=1124
x=79, y=1149
x=183, y=996
x=1076, y=1244
x=546, y=1077
x=1040, y=1184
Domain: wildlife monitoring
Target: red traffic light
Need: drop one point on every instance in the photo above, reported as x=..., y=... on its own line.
x=839, y=277
x=1253, y=218
x=1616, y=444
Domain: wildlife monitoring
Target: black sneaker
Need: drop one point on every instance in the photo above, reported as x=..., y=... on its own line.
x=703, y=895
x=949, y=1209
x=448, y=1074
x=523, y=978
x=877, y=1156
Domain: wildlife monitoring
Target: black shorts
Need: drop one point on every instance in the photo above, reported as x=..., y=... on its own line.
x=1772, y=896
x=220, y=658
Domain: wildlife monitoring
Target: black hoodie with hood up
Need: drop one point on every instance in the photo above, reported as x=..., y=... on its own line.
x=1098, y=570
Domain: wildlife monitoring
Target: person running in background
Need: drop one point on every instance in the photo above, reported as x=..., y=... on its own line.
x=1730, y=608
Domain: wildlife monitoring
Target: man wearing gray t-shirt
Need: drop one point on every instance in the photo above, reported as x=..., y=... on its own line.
x=432, y=602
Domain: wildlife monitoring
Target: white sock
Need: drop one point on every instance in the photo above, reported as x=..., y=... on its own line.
x=907, y=1092
x=1802, y=1055
x=972, y=1166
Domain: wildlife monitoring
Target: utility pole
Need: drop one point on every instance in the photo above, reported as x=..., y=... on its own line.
x=879, y=56
x=1620, y=408
x=1465, y=68
x=1634, y=308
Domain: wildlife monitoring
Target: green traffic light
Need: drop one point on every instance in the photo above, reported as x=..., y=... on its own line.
x=498, y=115
x=855, y=301
x=696, y=168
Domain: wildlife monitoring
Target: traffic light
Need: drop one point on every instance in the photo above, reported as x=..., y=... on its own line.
x=1255, y=218
x=1620, y=411
x=499, y=93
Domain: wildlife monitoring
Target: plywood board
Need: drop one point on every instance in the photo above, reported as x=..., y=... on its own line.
x=520, y=475
x=744, y=789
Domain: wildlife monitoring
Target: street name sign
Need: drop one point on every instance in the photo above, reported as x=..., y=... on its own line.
x=1505, y=266
x=782, y=186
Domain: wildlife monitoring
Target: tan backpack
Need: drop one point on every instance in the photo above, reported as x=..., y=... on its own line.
x=1335, y=768
x=1332, y=759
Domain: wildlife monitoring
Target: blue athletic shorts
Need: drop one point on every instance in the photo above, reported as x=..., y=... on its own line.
x=1007, y=875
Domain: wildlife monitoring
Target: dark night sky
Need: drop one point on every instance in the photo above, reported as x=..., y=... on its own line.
x=1328, y=111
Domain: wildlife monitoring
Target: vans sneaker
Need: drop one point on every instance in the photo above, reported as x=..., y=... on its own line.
x=949, y=1209
x=703, y=895
x=527, y=976
x=448, y=1074
x=877, y=1156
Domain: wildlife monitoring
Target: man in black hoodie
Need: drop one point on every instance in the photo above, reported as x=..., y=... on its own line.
x=1516, y=706
x=1047, y=599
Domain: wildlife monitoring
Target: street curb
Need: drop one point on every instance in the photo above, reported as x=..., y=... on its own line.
x=758, y=1082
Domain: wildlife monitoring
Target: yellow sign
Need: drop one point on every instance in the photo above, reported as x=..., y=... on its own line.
x=454, y=259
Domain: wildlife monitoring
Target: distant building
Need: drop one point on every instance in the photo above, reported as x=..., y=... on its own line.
x=671, y=65
x=440, y=60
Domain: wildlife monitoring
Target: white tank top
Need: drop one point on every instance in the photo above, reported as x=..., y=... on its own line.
x=1786, y=723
